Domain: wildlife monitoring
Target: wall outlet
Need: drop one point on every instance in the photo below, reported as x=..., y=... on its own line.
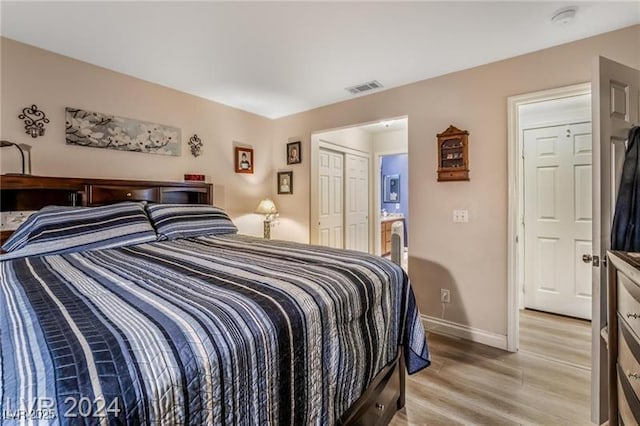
x=460, y=216
x=445, y=296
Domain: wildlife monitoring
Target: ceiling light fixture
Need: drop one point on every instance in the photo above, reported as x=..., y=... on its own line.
x=564, y=16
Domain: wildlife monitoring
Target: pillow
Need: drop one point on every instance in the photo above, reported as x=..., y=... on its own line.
x=56, y=229
x=189, y=220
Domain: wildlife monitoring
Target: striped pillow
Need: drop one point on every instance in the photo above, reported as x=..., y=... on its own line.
x=56, y=229
x=189, y=220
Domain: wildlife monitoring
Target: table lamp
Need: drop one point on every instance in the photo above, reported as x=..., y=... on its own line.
x=269, y=210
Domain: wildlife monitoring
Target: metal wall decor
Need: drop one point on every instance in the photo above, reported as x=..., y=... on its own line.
x=34, y=120
x=195, y=143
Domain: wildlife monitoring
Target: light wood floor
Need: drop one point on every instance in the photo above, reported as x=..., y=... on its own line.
x=546, y=383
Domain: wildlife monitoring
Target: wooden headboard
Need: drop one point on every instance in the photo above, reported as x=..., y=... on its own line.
x=26, y=192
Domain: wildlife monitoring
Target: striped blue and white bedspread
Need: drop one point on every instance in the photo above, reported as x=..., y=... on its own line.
x=216, y=330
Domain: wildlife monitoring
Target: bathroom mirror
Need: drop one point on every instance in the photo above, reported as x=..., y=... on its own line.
x=391, y=189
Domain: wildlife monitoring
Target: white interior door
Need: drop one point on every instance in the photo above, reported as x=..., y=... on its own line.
x=615, y=98
x=557, y=182
x=357, y=203
x=331, y=193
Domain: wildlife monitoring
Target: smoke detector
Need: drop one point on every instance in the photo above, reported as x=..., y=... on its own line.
x=564, y=16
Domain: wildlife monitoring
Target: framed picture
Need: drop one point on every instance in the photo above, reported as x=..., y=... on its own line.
x=294, y=156
x=244, y=160
x=391, y=192
x=285, y=182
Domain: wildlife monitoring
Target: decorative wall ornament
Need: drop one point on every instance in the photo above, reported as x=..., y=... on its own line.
x=97, y=130
x=195, y=143
x=34, y=121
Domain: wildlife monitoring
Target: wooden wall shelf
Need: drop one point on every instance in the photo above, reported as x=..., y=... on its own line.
x=453, y=155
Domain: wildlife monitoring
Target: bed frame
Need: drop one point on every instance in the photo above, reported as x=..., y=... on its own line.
x=26, y=192
x=378, y=403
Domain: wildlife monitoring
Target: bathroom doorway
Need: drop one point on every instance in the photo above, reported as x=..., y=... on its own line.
x=393, y=199
x=391, y=177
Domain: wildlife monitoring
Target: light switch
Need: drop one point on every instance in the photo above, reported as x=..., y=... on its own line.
x=460, y=216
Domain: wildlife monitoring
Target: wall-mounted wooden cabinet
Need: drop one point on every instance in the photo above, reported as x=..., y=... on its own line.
x=453, y=154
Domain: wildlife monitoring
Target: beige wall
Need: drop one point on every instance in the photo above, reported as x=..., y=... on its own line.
x=470, y=259
x=31, y=75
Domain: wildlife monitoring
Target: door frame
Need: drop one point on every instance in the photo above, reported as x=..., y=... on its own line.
x=318, y=143
x=515, y=229
x=377, y=191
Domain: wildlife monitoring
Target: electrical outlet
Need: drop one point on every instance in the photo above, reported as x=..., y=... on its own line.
x=445, y=296
x=460, y=216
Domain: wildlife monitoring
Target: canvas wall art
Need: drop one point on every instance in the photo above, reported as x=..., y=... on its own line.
x=97, y=130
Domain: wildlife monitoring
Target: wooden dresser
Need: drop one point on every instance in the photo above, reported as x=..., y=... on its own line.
x=624, y=338
x=385, y=234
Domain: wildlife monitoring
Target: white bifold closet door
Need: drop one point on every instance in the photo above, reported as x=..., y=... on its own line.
x=331, y=193
x=344, y=200
x=357, y=203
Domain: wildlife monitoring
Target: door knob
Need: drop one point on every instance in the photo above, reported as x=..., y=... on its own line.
x=587, y=258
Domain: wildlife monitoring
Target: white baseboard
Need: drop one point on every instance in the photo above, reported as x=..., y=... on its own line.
x=448, y=328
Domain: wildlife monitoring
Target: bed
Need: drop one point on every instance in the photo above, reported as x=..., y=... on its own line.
x=195, y=324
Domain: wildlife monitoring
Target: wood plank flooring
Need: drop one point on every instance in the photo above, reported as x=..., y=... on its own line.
x=546, y=383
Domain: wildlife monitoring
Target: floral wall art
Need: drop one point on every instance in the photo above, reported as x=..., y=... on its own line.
x=97, y=130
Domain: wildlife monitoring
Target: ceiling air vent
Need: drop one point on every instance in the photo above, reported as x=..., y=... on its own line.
x=359, y=88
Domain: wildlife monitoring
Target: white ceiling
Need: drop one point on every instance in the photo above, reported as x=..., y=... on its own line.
x=276, y=59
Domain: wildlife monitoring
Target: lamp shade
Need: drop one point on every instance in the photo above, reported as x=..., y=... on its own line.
x=266, y=206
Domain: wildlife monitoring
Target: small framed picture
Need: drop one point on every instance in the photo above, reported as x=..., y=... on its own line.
x=285, y=182
x=244, y=160
x=294, y=156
